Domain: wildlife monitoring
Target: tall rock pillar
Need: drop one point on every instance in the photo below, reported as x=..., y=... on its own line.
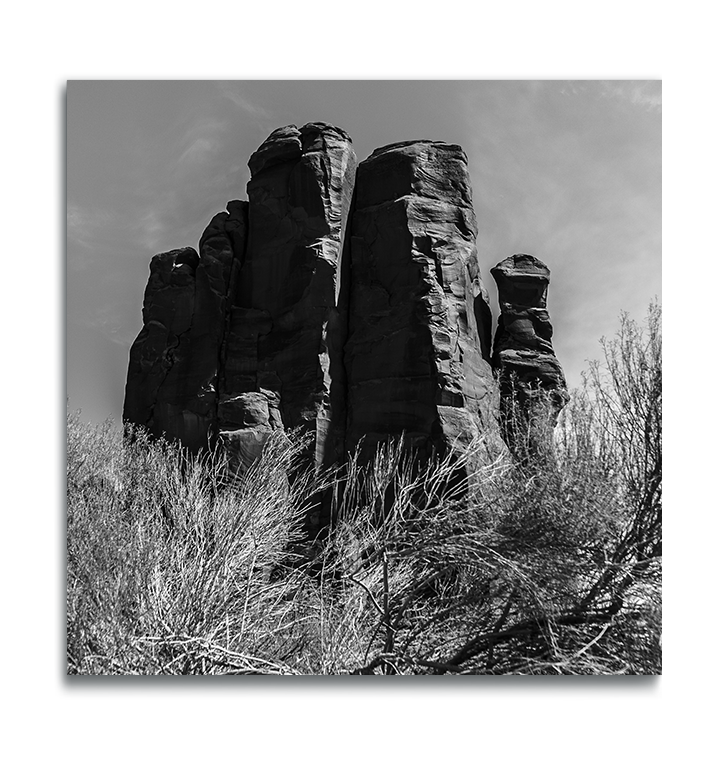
x=418, y=348
x=283, y=350
x=532, y=382
x=173, y=371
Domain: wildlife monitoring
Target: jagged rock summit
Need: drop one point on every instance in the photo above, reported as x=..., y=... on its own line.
x=341, y=299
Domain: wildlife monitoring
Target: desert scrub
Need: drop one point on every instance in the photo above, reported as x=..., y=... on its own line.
x=549, y=566
x=174, y=569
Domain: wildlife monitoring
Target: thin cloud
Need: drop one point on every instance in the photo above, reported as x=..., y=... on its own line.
x=86, y=227
x=108, y=320
x=644, y=94
x=82, y=220
x=152, y=229
x=76, y=217
x=198, y=151
x=230, y=91
x=197, y=146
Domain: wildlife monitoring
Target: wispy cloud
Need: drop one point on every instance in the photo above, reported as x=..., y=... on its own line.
x=198, y=151
x=644, y=94
x=152, y=230
x=109, y=320
x=86, y=226
x=197, y=145
x=76, y=217
x=85, y=220
x=232, y=91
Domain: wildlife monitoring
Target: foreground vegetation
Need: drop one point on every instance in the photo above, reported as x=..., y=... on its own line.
x=547, y=567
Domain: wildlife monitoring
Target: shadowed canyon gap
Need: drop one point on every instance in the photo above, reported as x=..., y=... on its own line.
x=341, y=299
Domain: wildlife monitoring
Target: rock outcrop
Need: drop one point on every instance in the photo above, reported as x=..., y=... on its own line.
x=283, y=353
x=532, y=384
x=172, y=375
x=247, y=337
x=342, y=300
x=417, y=353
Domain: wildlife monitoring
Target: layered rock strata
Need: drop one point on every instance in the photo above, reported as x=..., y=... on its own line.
x=532, y=383
x=417, y=354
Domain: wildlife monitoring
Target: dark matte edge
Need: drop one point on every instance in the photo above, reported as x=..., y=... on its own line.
x=120, y=688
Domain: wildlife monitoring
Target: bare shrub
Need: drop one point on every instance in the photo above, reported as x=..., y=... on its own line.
x=544, y=567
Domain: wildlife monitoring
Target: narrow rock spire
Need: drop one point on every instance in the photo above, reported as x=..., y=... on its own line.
x=532, y=383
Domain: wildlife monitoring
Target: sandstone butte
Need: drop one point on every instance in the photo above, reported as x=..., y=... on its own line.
x=344, y=300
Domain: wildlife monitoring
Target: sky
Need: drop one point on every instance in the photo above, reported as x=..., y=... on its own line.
x=568, y=171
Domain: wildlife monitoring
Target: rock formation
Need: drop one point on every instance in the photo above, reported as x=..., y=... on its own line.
x=172, y=376
x=246, y=337
x=282, y=360
x=417, y=353
x=532, y=383
x=343, y=300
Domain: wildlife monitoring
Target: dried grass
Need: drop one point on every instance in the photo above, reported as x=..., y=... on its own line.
x=177, y=567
